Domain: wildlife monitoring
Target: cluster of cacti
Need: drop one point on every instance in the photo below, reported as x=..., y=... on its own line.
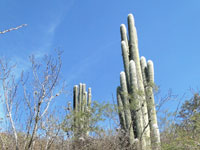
x=135, y=96
x=81, y=110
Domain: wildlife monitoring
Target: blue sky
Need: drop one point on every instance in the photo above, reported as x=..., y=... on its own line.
x=88, y=33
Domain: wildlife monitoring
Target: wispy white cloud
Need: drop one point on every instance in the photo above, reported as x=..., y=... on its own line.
x=23, y=64
x=49, y=33
x=88, y=62
x=39, y=52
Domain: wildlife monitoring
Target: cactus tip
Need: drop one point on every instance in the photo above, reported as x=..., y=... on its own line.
x=122, y=26
x=123, y=43
x=131, y=61
x=130, y=15
x=143, y=62
x=150, y=62
x=132, y=64
x=122, y=73
x=131, y=18
x=142, y=58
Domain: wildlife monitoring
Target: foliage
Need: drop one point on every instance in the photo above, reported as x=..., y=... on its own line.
x=184, y=133
x=97, y=115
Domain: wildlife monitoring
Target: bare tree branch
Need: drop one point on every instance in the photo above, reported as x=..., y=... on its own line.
x=11, y=29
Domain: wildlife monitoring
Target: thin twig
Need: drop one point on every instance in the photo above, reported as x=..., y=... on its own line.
x=11, y=29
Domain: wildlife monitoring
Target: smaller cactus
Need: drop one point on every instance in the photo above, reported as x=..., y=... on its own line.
x=81, y=109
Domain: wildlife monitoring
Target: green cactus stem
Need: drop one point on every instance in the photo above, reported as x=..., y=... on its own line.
x=81, y=106
x=155, y=134
x=121, y=110
x=135, y=104
x=126, y=105
x=134, y=54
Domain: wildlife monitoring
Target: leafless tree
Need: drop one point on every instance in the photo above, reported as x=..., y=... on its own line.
x=8, y=95
x=31, y=117
x=43, y=92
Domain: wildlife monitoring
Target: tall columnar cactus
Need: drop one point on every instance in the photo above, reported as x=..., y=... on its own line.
x=81, y=107
x=135, y=96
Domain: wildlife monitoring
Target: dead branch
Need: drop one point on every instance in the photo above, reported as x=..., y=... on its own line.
x=11, y=29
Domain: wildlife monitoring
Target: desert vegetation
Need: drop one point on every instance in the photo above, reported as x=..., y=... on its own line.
x=32, y=122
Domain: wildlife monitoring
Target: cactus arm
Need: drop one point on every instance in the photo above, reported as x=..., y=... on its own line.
x=80, y=97
x=83, y=97
x=134, y=55
x=150, y=71
x=89, y=97
x=133, y=41
x=127, y=112
x=75, y=97
x=124, y=34
x=85, y=101
x=84, y=109
x=125, y=61
x=121, y=110
x=155, y=134
x=88, y=108
x=135, y=103
x=75, y=107
x=143, y=64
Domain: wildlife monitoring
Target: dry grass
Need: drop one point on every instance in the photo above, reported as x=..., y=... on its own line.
x=103, y=142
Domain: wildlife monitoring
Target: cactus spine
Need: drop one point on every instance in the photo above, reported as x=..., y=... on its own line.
x=135, y=95
x=81, y=107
